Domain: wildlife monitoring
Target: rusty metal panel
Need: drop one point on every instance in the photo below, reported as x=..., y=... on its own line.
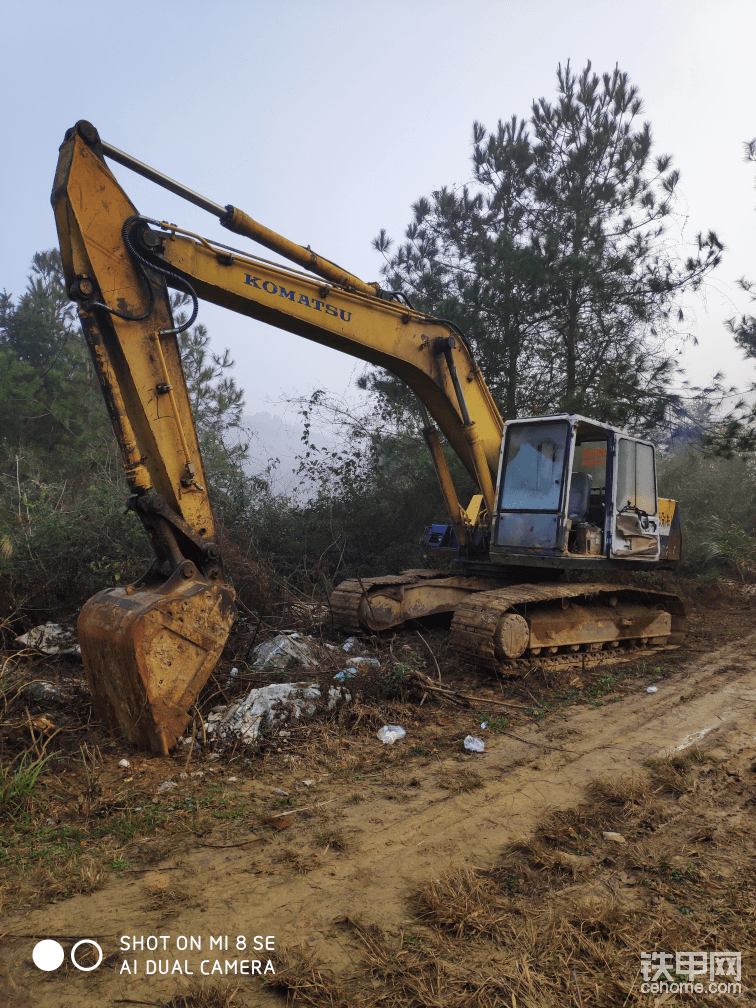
x=147, y=654
x=595, y=624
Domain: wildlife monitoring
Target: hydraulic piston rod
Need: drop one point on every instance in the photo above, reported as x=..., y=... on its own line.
x=233, y=219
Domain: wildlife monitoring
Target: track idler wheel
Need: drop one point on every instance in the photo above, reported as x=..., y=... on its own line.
x=511, y=636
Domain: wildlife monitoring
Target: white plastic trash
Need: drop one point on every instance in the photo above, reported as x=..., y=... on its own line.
x=390, y=733
x=651, y=689
x=473, y=744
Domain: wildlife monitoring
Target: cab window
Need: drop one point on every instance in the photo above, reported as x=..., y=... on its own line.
x=534, y=467
x=636, y=481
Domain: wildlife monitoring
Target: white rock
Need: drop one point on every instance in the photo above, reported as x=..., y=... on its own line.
x=270, y=706
x=124, y=763
x=614, y=837
x=283, y=652
x=50, y=638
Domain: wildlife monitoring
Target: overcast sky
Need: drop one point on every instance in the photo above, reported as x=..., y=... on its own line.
x=326, y=119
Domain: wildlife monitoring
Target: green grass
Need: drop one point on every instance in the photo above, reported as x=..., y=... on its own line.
x=17, y=787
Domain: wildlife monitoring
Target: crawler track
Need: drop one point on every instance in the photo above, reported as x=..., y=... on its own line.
x=476, y=619
x=573, y=625
x=346, y=598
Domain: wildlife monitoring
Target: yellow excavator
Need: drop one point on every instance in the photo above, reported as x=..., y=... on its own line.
x=556, y=494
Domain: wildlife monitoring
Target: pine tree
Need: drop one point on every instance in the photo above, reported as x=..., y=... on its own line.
x=744, y=328
x=52, y=416
x=217, y=404
x=51, y=411
x=556, y=259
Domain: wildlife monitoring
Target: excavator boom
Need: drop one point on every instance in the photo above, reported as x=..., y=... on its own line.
x=564, y=502
x=148, y=648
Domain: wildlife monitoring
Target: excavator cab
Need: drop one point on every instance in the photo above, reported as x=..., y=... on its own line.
x=570, y=487
x=575, y=493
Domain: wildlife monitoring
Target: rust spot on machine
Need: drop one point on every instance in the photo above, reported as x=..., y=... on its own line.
x=379, y=603
x=148, y=651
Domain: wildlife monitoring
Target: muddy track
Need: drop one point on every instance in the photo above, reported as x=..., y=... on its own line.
x=399, y=832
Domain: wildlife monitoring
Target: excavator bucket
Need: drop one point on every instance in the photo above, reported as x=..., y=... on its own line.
x=148, y=652
x=148, y=648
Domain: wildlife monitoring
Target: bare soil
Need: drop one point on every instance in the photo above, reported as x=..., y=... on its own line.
x=414, y=874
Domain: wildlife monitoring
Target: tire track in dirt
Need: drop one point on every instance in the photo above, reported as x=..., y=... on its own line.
x=392, y=844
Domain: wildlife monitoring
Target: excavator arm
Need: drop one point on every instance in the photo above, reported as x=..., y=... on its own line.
x=148, y=648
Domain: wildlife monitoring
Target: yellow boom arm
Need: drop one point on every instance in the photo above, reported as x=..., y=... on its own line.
x=126, y=319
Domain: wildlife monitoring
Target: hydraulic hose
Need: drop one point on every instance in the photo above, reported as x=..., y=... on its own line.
x=141, y=264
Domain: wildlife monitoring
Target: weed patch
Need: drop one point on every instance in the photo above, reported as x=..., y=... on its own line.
x=563, y=917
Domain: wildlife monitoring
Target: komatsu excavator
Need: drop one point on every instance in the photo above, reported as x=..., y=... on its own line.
x=556, y=494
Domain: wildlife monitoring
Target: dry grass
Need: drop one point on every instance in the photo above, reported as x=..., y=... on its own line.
x=565, y=915
x=51, y=881
x=462, y=781
x=214, y=995
x=463, y=901
x=301, y=861
x=334, y=839
x=307, y=984
x=167, y=899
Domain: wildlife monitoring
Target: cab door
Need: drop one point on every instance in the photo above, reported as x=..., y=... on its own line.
x=534, y=476
x=634, y=516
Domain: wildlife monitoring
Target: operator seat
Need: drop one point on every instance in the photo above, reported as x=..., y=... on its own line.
x=580, y=496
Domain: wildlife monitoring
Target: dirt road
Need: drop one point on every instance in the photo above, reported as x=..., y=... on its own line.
x=358, y=843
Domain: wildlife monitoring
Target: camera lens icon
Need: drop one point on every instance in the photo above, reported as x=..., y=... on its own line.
x=49, y=954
